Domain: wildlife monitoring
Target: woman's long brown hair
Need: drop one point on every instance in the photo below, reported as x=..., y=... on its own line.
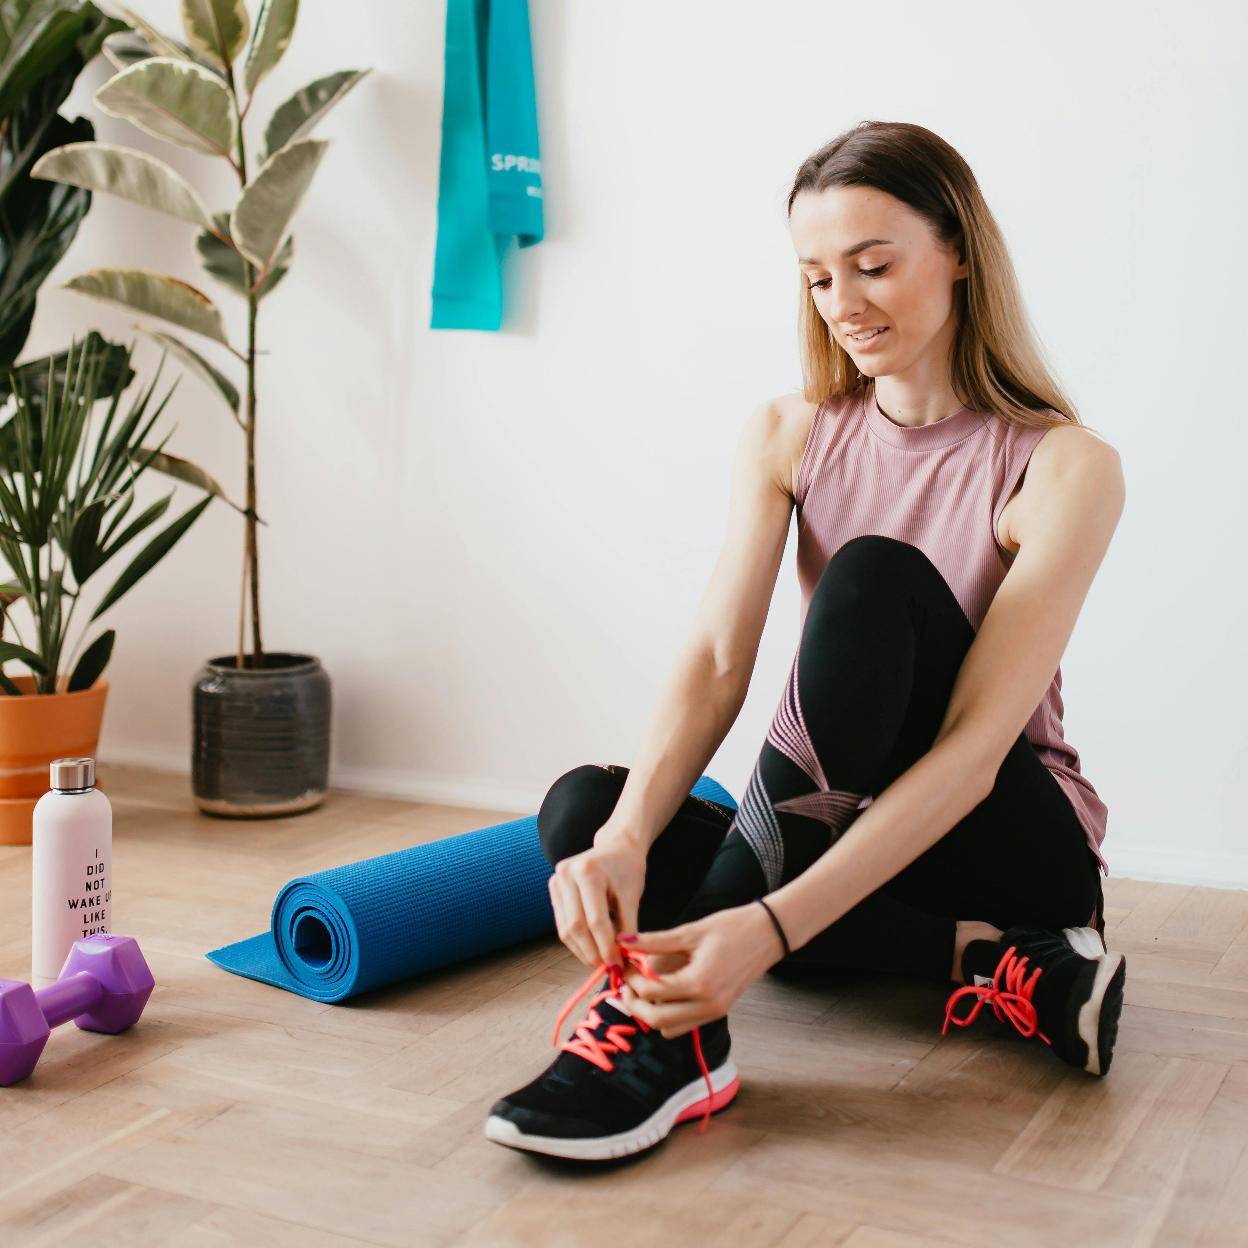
x=997, y=364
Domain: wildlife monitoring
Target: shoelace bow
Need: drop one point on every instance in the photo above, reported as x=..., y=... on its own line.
x=589, y=1046
x=1014, y=1001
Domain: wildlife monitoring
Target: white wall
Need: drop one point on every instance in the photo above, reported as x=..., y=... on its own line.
x=496, y=542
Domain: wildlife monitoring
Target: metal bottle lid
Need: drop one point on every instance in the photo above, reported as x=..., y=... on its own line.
x=73, y=774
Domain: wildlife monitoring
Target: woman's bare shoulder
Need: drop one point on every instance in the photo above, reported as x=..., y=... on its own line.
x=794, y=415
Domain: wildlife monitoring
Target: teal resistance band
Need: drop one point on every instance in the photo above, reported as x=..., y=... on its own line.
x=489, y=176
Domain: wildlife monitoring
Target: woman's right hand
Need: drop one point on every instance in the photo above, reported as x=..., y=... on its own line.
x=595, y=896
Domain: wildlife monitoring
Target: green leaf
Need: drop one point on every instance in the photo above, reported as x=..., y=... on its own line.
x=274, y=27
x=158, y=44
x=61, y=418
x=215, y=380
x=306, y=107
x=151, y=555
x=262, y=217
x=180, y=470
x=26, y=135
x=216, y=29
x=175, y=100
x=9, y=687
x=85, y=555
x=91, y=41
x=127, y=173
x=35, y=38
x=32, y=377
x=157, y=294
x=226, y=264
x=125, y=48
x=149, y=516
x=38, y=221
x=94, y=659
x=8, y=650
x=41, y=58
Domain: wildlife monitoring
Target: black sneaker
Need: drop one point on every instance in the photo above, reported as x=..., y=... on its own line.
x=617, y=1087
x=1064, y=987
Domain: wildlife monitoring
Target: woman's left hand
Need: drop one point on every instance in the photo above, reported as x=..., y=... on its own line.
x=725, y=951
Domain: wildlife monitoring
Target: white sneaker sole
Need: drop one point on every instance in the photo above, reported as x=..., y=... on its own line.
x=689, y=1102
x=1087, y=942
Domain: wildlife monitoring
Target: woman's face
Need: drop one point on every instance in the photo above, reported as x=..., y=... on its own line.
x=902, y=280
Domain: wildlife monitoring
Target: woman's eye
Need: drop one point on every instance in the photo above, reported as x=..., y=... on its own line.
x=823, y=282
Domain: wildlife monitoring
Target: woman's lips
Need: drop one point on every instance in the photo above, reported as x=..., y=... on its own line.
x=870, y=342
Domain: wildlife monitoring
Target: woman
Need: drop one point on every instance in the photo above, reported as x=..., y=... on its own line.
x=915, y=807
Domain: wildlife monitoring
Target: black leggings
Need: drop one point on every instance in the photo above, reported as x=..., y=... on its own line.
x=881, y=646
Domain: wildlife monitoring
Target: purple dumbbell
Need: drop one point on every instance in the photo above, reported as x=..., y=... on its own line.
x=104, y=985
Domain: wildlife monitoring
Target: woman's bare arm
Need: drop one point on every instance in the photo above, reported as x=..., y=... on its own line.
x=705, y=692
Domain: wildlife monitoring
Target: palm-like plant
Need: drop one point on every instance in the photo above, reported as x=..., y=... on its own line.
x=60, y=518
x=191, y=94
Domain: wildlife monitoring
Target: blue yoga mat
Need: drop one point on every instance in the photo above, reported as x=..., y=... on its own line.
x=337, y=933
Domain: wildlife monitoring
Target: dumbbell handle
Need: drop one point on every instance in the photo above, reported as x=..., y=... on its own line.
x=69, y=997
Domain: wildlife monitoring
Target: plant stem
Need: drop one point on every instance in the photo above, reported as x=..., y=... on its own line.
x=254, y=554
x=242, y=606
x=251, y=554
x=73, y=654
x=40, y=619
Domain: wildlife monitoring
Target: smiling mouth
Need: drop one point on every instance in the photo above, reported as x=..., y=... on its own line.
x=871, y=337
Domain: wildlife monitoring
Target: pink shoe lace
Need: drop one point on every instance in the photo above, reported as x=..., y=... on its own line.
x=590, y=1047
x=1014, y=1002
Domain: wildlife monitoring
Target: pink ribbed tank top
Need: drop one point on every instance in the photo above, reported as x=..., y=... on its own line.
x=940, y=487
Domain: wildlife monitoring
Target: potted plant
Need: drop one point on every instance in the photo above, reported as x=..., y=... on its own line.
x=44, y=46
x=261, y=721
x=62, y=504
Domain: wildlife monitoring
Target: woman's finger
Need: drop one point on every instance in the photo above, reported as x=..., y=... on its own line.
x=626, y=913
x=675, y=1019
x=568, y=914
x=601, y=929
x=671, y=986
x=673, y=940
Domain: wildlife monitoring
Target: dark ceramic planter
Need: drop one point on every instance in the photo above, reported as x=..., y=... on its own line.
x=261, y=736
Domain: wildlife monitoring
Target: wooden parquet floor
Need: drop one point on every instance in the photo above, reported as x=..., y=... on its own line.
x=236, y=1113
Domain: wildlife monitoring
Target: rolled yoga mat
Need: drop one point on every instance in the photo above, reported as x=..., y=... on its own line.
x=337, y=933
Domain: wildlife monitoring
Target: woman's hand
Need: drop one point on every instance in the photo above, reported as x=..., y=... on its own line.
x=724, y=953
x=595, y=895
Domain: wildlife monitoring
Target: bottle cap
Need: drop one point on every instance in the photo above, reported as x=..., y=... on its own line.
x=73, y=774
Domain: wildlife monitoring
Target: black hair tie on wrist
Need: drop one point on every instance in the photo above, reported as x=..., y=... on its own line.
x=776, y=921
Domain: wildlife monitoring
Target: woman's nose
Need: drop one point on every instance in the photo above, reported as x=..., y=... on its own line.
x=841, y=310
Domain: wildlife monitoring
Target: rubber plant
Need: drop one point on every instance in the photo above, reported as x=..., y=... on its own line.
x=44, y=46
x=197, y=94
x=62, y=503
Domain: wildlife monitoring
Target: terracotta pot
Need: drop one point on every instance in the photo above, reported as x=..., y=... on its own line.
x=35, y=729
